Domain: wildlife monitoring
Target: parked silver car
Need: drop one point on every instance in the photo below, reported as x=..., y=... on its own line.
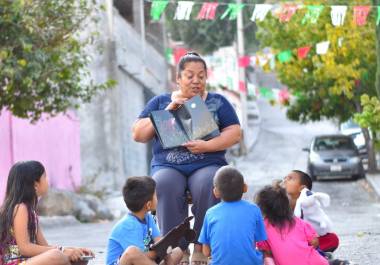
x=332, y=156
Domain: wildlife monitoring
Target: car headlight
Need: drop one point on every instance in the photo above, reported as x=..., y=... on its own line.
x=354, y=159
x=315, y=158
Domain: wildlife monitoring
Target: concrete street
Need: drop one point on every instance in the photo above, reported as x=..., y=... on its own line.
x=355, y=210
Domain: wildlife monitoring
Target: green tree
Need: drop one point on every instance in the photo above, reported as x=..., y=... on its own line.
x=207, y=36
x=42, y=58
x=370, y=117
x=330, y=85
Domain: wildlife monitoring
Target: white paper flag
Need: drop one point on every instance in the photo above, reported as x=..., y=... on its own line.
x=340, y=42
x=183, y=10
x=338, y=14
x=260, y=12
x=323, y=47
x=263, y=60
x=253, y=60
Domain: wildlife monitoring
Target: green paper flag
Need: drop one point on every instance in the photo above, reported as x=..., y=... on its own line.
x=230, y=82
x=299, y=95
x=169, y=55
x=365, y=76
x=312, y=14
x=232, y=11
x=266, y=93
x=284, y=56
x=378, y=15
x=157, y=8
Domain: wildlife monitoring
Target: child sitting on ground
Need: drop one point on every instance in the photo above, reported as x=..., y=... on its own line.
x=232, y=227
x=21, y=239
x=131, y=237
x=295, y=182
x=290, y=239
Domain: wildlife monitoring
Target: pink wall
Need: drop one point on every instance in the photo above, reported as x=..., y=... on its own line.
x=55, y=142
x=5, y=151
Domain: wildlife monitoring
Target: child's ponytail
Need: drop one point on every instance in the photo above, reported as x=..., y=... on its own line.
x=274, y=204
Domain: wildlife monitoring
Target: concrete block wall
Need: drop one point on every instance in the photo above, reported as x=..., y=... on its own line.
x=108, y=153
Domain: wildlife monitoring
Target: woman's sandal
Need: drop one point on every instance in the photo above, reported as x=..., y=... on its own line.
x=198, y=259
x=185, y=259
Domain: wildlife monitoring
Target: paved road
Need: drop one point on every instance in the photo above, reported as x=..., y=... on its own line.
x=354, y=211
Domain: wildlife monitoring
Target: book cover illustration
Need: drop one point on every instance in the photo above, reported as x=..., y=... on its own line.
x=168, y=130
x=191, y=121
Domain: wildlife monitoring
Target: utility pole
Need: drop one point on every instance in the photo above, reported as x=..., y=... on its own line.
x=242, y=79
x=139, y=25
x=109, y=6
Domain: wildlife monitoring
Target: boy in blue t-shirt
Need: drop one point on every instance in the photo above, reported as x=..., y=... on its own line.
x=232, y=227
x=130, y=238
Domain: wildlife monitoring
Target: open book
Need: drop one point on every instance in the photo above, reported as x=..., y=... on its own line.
x=191, y=121
x=172, y=239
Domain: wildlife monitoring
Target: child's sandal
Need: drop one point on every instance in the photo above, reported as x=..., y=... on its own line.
x=185, y=259
x=339, y=262
x=198, y=259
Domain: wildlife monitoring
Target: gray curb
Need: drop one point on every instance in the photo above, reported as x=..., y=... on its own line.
x=374, y=181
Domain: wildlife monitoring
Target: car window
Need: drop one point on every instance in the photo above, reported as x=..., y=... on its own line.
x=324, y=144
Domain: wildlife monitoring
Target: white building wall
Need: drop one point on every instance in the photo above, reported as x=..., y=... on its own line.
x=108, y=153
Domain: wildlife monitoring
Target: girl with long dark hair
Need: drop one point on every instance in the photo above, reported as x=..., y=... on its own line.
x=290, y=239
x=21, y=239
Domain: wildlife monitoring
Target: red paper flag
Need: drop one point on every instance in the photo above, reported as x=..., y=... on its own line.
x=244, y=61
x=360, y=14
x=287, y=11
x=242, y=87
x=207, y=11
x=303, y=52
x=178, y=53
x=283, y=96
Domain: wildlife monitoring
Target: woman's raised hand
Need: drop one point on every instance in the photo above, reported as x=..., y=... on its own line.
x=175, y=104
x=177, y=100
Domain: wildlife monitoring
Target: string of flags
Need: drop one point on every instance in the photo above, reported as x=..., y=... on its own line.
x=284, y=12
x=213, y=10
x=274, y=95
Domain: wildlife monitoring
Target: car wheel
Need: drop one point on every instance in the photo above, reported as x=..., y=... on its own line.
x=358, y=176
x=312, y=176
x=355, y=177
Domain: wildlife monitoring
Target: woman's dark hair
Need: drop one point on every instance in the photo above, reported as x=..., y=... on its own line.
x=274, y=204
x=137, y=191
x=20, y=189
x=230, y=183
x=187, y=58
x=305, y=179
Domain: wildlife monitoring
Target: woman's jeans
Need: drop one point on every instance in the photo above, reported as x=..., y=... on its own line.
x=172, y=206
